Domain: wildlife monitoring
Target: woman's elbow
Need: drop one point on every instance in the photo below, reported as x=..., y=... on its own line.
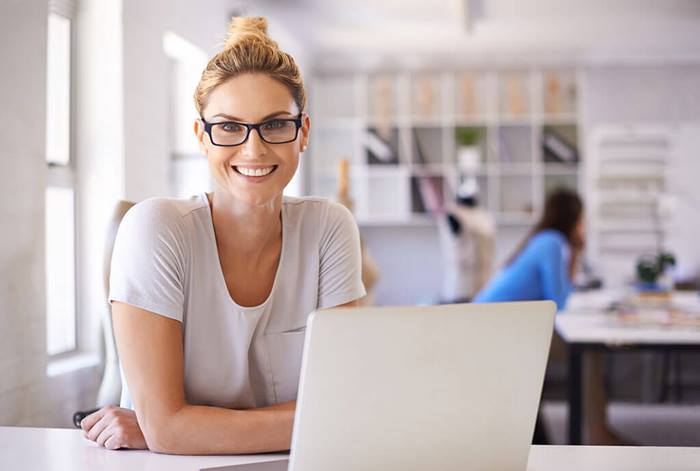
x=164, y=442
x=161, y=435
x=158, y=440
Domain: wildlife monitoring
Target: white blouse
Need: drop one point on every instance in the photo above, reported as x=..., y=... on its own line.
x=165, y=260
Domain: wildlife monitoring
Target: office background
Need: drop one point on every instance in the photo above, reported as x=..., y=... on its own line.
x=631, y=70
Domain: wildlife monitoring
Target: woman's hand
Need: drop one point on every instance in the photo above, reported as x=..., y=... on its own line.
x=114, y=427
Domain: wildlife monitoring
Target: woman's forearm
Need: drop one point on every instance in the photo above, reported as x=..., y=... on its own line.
x=204, y=430
x=573, y=265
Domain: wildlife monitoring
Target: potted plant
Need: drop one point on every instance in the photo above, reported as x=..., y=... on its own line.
x=469, y=149
x=653, y=272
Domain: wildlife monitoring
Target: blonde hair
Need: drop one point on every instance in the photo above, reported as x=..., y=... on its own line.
x=248, y=49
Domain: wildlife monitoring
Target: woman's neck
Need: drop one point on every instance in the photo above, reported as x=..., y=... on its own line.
x=245, y=227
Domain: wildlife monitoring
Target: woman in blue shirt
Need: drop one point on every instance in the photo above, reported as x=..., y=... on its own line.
x=544, y=265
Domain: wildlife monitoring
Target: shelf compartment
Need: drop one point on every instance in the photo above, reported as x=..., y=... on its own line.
x=514, y=97
x=516, y=196
x=383, y=98
x=385, y=194
x=428, y=145
x=381, y=146
x=560, y=144
x=475, y=95
x=471, y=148
x=559, y=93
x=426, y=96
x=553, y=182
x=427, y=193
x=515, y=145
x=453, y=183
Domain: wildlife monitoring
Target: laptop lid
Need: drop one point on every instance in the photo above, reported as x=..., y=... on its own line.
x=449, y=387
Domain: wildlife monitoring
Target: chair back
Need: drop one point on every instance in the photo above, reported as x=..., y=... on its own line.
x=111, y=385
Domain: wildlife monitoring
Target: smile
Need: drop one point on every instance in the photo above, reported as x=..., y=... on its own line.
x=254, y=171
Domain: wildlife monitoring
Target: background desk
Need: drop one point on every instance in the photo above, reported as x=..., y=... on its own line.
x=61, y=449
x=586, y=325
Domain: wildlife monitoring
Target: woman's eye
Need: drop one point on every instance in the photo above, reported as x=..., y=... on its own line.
x=275, y=124
x=231, y=127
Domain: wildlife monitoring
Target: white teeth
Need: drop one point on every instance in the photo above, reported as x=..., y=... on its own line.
x=255, y=172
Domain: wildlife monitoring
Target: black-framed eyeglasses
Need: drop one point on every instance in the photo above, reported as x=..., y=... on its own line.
x=272, y=131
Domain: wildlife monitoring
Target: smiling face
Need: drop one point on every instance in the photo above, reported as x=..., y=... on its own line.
x=254, y=172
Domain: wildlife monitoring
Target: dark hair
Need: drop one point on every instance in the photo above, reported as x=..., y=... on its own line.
x=562, y=211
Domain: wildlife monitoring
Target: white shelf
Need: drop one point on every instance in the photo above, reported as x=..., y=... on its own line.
x=629, y=174
x=509, y=108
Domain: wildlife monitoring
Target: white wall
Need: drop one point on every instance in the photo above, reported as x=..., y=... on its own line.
x=684, y=224
x=27, y=396
x=651, y=93
x=23, y=28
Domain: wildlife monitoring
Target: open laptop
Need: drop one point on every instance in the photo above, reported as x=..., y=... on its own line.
x=450, y=387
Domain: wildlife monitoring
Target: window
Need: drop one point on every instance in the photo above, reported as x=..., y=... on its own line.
x=60, y=270
x=189, y=170
x=60, y=191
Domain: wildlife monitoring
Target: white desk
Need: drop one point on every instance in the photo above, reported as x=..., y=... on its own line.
x=66, y=449
x=586, y=325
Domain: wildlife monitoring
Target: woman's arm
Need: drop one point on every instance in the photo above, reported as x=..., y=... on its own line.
x=150, y=350
x=115, y=427
x=555, y=277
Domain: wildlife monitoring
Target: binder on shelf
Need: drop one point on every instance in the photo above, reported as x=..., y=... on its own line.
x=380, y=150
x=556, y=149
x=427, y=190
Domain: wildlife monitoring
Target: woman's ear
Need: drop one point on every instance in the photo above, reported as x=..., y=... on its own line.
x=305, y=131
x=199, y=134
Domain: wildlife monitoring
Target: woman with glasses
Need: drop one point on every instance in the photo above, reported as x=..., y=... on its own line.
x=210, y=294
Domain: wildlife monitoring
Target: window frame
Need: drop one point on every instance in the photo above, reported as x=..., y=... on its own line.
x=65, y=175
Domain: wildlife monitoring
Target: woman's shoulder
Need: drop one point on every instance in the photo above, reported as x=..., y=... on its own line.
x=165, y=209
x=548, y=238
x=159, y=215
x=324, y=210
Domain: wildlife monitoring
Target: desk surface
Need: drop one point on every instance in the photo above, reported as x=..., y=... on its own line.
x=59, y=449
x=586, y=322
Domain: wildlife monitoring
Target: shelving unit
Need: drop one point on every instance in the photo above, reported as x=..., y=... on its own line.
x=630, y=176
x=397, y=127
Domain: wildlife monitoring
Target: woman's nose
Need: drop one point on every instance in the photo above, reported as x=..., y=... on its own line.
x=254, y=145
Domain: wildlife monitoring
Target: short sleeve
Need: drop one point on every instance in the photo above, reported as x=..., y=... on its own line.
x=340, y=277
x=148, y=259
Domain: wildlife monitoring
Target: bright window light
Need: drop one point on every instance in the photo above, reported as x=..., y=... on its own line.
x=60, y=270
x=58, y=91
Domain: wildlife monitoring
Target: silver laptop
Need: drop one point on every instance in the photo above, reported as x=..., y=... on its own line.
x=451, y=387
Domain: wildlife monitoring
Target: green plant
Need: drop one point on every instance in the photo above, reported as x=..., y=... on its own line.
x=649, y=267
x=466, y=137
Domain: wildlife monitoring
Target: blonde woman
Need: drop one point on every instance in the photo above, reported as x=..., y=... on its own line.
x=210, y=294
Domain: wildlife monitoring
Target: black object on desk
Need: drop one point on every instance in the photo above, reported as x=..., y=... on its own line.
x=81, y=414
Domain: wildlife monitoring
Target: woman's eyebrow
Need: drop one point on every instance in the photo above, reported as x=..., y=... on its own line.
x=233, y=118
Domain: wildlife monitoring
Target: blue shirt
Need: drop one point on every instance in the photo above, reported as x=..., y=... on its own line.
x=539, y=272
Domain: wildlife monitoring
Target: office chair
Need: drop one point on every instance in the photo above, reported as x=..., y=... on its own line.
x=111, y=385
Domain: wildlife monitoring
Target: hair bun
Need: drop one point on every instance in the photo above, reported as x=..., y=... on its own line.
x=242, y=27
